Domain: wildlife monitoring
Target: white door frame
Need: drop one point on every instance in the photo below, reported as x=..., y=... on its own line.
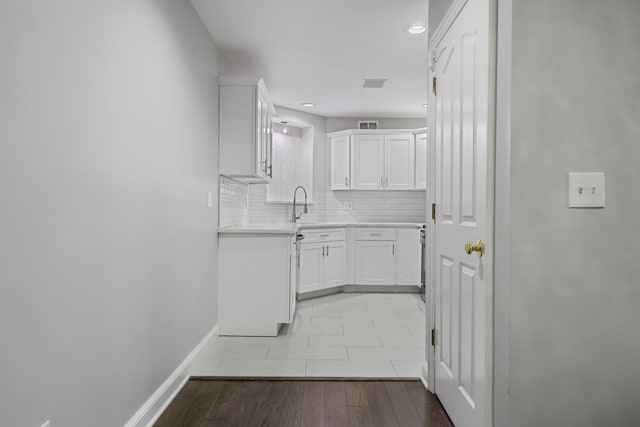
x=498, y=289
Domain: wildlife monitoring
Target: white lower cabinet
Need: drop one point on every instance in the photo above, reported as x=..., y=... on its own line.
x=255, y=279
x=334, y=264
x=375, y=262
x=408, y=254
x=322, y=265
x=311, y=267
x=383, y=256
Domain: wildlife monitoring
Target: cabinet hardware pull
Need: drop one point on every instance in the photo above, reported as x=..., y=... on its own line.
x=327, y=250
x=324, y=235
x=393, y=249
x=387, y=184
x=345, y=181
x=376, y=234
x=322, y=250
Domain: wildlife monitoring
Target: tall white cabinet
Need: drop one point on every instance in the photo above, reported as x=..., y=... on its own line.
x=245, y=129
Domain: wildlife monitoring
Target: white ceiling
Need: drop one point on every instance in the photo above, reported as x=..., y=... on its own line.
x=320, y=50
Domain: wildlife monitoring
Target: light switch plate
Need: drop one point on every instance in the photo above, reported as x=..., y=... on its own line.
x=347, y=205
x=586, y=190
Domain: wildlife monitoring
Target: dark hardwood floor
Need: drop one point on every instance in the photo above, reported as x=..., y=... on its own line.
x=281, y=403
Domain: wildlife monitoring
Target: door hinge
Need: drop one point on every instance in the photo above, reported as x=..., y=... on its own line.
x=433, y=337
x=433, y=211
x=434, y=85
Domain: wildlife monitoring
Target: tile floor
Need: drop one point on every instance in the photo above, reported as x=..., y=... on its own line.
x=341, y=335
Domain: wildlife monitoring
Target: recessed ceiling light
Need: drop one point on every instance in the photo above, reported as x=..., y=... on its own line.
x=308, y=104
x=417, y=29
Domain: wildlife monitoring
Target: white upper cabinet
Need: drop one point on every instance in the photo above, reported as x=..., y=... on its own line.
x=398, y=162
x=245, y=129
x=341, y=162
x=377, y=160
x=421, y=161
x=368, y=162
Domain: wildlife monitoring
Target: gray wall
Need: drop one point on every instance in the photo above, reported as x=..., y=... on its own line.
x=437, y=10
x=575, y=285
x=341, y=123
x=108, y=147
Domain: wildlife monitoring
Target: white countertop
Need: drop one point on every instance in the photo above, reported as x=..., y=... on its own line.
x=292, y=228
x=260, y=229
x=361, y=224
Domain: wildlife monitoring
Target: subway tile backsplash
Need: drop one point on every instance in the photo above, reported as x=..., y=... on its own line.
x=242, y=204
x=233, y=203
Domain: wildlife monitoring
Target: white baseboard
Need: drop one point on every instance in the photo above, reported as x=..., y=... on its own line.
x=424, y=374
x=162, y=397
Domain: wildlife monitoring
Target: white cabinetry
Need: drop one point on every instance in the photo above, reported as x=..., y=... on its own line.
x=368, y=162
x=421, y=161
x=322, y=260
x=245, y=129
x=256, y=283
x=379, y=161
x=375, y=256
x=388, y=256
x=375, y=262
x=341, y=162
x=399, y=162
x=408, y=253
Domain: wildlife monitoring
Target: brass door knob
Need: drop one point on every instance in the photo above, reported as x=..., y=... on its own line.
x=469, y=248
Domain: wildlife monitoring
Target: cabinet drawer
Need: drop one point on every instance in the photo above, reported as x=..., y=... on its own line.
x=375, y=234
x=323, y=235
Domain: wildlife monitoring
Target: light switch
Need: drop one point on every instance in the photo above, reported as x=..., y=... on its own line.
x=347, y=205
x=586, y=190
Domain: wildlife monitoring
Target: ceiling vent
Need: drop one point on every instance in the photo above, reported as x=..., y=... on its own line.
x=367, y=124
x=373, y=83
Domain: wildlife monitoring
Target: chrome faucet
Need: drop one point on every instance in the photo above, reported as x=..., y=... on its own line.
x=293, y=215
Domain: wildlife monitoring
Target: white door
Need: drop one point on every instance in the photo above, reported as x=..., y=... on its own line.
x=368, y=166
x=375, y=262
x=462, y=214
x=421, y=161
x=408, y=253
x=334, y=264
x=398, y=162
x=341, y=162
x=311, y=265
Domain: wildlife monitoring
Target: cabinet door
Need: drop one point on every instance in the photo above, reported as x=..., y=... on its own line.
x=368, y=164
x=375, y=262
x=398, y=162
x=334, y=264
x=341, y=162
x=421, y=161
x=311, y=266
x=409, y=255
